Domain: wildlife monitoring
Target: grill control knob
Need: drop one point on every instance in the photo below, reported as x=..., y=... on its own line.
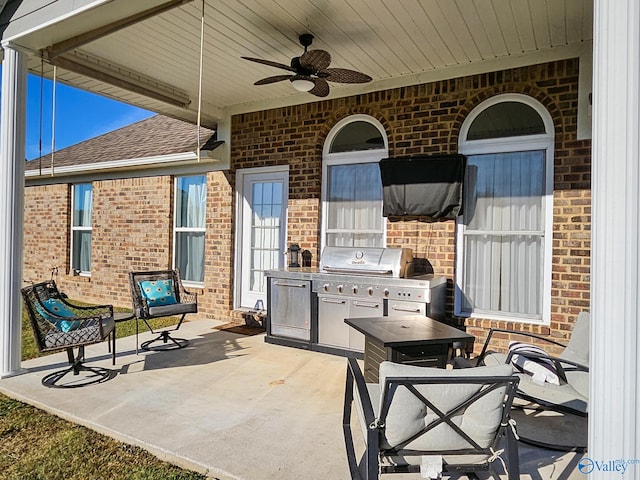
x=354, y=289
x=325, y=287
x=385, y=292
x=340, y=288
x=370, y=290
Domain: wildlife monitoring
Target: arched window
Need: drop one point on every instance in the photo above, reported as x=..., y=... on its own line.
x=504, y=235
x=351, y=187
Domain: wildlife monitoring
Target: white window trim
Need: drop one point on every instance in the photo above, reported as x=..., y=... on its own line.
x=241, y=205
x=543, y=142
x=347, y=158
x=78, y=229
x=176, y=230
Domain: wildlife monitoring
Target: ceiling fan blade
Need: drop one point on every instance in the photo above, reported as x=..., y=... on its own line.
x=270, y=63
x=274, y=79
x=343, y=75
x=321, y=89
x=315, y=60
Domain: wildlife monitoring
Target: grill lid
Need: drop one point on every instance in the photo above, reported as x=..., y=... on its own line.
x=390, y=262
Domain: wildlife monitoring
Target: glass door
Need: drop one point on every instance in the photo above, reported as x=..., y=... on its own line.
x=263, y=203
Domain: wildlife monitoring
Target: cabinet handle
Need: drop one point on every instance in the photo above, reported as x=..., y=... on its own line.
x=331, y=300
x=294, y=285
x=405, y=309
x=368, y=305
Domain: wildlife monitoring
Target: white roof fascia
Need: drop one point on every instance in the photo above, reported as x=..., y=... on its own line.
x=53, y=21
x=173, y=159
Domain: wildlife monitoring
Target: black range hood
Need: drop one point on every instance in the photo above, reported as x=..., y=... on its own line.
x=427, y=186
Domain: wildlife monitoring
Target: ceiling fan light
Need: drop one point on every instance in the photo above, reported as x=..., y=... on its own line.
x=302, y=84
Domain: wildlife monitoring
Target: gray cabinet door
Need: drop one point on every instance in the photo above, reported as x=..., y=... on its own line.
x=332, y=331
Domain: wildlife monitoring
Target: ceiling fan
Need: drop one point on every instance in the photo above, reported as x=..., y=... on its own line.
x=310, y=71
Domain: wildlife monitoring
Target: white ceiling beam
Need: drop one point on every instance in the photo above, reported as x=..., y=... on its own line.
x=121, y=77
x=72, y=43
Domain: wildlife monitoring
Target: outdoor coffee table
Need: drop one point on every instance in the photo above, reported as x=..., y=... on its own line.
x=122, y=316
x=413, y=339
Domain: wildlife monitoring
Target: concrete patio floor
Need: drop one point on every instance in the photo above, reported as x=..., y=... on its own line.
x=229, y=405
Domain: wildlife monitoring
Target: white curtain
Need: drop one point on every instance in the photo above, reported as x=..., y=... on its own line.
x=190, y=227
x=354, y=197
x=503, y=246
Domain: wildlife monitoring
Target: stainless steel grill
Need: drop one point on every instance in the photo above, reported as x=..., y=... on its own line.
x=373, y=273
x=370, y=282
x=385, y=262
x=307, y=306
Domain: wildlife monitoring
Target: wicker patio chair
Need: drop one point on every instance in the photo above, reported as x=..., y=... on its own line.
x=452, y=420
x=60, y=325
x=160, y=294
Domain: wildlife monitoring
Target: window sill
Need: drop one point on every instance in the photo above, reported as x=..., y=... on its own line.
x=512, y=318
x=193, y=285
x=80, y=278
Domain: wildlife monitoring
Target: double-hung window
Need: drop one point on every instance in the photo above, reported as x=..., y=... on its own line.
x=504, y=233
x=189, y=227
x=82, y=201
x=352, y=190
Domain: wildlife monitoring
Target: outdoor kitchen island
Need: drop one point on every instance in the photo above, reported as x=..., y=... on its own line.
x=307, y=306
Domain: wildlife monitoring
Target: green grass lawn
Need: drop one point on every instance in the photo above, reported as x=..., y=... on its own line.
x=35, y=445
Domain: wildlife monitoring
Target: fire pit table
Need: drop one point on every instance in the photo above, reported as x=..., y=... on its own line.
x=410, y=339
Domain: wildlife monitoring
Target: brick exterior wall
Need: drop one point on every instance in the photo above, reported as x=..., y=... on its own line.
x=133, y=218
x=46, y=231
x=132, y=229
x=425, y=119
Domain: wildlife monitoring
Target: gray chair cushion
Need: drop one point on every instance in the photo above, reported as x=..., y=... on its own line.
x=573, y=394
x=578, y=351
x=578, y=348
x=174, y=309
x=494, y=358
x=563, y=394
x=408, y=415
x=89, y=333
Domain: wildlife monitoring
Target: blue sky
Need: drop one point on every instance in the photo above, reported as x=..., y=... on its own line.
x=79, y=116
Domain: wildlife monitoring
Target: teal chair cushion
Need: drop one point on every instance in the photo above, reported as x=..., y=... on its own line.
x=54, y=308
x=158, y=293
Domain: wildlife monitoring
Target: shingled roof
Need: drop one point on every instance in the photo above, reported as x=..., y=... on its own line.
x=152, y=137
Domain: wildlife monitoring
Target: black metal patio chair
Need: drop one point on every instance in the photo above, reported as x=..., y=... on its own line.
x=158, y=294
x=570, y=392
x=549, y=385
x=414, y=415
x=60, y=325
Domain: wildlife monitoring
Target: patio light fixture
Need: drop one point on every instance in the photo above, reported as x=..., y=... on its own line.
x=302, y=83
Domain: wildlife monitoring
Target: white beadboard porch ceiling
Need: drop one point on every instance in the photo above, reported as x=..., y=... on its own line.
x=397, y=42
